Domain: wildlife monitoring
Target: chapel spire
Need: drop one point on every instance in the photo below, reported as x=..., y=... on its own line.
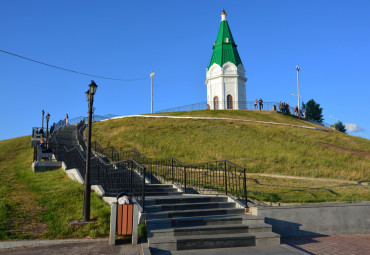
x=223, y=15
x=224, y=48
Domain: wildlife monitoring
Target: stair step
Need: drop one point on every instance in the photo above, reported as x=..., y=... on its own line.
x=150, y=189
x=204, y=221
x=184, y=199
x=158, y=186
x=194, y=213
x=210, y=230
x=214, y=241
x=188, y=206
x=162, y=193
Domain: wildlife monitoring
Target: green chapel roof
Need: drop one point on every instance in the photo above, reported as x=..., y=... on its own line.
x=224, y=48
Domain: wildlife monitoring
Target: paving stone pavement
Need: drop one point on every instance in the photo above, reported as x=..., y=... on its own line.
x=354, y=244
x=100, y=247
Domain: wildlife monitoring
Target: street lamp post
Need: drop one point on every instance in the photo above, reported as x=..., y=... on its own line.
x=87, y=188
x=47, y=128
x=299, y=105
x=151, y=76
x=43, y=112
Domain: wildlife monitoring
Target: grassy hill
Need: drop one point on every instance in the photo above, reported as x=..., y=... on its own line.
x=303, y=154
x=40, y=205
x=260, y=148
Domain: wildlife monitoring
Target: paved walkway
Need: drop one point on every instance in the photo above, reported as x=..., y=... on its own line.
x=332, y=245
x=326, y=245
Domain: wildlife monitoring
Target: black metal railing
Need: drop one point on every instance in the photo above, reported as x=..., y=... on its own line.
x=122, y=176
x=77, y=120
x=224, y=105
x=217, y=177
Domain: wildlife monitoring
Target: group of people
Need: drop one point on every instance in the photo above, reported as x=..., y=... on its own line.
x=284, y=108
x=43, y=145
x=41, y=131
x=258, y=103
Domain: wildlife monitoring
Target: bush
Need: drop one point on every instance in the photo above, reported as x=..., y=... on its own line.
x=142, y=231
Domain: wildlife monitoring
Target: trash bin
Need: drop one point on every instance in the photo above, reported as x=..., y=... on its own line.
x=124, y=219
x=125, y=211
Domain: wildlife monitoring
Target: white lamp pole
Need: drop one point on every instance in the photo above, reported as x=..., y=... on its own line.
x=299, y=105
x=151, y=76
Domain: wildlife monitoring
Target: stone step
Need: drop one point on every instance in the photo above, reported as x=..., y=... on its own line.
x=184, y=199
x=158, y=186
x=194, y=213
x=214, y=241
x=189, y=206
x=162, y=193
x=210, y=230
x=151, y=189
x=204, y=221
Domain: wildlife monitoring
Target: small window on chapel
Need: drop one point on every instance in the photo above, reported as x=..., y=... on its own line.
x=226, y=40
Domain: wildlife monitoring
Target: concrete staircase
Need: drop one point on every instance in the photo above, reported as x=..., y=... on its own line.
x=187, y=222
x=66, y=136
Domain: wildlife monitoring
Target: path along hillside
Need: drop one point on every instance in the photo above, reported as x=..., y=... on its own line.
x=259, y=147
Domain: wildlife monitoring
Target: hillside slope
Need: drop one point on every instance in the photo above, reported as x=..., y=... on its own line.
x=40, y=205
x=261, y=148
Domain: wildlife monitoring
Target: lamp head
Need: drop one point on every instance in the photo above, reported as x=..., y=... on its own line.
x=48, y=117
x=87, y=93
x=93, y=88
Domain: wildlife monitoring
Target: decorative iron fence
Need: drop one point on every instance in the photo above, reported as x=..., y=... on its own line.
x=224, y=105
x=121, y=176
x=96, y=118
x=218, y=177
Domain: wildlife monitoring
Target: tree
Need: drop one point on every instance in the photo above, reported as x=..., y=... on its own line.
x=340, y=127
x=313, y=111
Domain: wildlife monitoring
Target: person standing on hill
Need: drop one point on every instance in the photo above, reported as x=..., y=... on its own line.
x=261, y=103
x=67, y=120
x=255, y=104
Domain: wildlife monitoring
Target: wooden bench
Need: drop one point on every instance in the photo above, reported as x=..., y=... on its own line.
x=43, y=155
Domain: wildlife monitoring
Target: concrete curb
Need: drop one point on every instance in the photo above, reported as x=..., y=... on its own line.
x=145, y=249
x=23, y=243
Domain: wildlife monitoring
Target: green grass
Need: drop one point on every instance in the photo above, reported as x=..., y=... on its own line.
x=40, y=205
x=260, y=148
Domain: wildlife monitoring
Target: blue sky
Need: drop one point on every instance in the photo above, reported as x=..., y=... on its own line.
x=329, y=40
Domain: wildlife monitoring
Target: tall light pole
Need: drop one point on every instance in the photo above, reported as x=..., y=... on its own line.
x=43, y=112
x=87, y=188
x=151, y=76
x=299, y=105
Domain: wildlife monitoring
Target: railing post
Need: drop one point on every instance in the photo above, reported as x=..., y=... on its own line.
x=225, y=177
x=172, y=170
x=99, y=182
x=151, y=172
x=143, y=189
x=245, y=189
x=131, y=177
x=185, y=179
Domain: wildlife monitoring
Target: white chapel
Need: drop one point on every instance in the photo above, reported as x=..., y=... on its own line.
x=225, y=74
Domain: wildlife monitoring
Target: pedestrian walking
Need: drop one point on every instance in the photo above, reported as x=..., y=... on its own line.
x=261, y=103
x=67, y=120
